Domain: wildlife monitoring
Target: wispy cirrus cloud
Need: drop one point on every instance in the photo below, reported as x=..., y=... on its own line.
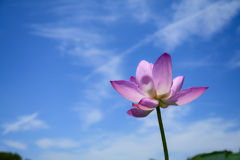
x=203, y=20
x=15, y=144
x=89, y=41
x=24, y=123
x=85, y=11
x=49, y=143
x=67, y=33
x=80, y=30
x=84, y=44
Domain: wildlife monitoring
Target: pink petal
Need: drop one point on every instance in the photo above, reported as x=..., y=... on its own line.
x=146, y=104
x=144, y=78
x=162, y=74
x=176, y=85
x=151, y=66
x=138, y=112
x=133, y=79
x=128, y=90
x=185, y=96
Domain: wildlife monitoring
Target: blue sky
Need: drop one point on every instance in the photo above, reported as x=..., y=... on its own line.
x=57, y=58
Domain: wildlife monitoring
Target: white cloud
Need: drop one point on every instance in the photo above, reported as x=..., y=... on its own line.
x=170, y=115
x=203, y=20
x=48, y=143
x=140, y=10
x=183, y=9
x=85, y=42
x=15, y=144
x=204, y=136
x=88, y=114
x=88, y=43
x=112, y=67
x=67, y=33
x=191, y=18
x=24, y=123
x=185, y=139
x=58, y=155
x=109, y=70
x=86, y=11
x=87, y=48
x=94, y=116
x=117, y=148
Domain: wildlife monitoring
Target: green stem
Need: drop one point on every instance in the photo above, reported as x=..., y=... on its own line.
x=162, y=133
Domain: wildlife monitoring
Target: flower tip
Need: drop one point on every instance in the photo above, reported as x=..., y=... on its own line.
x=129, y=112
x=113, y=83
x=166, y=54
x=204, y=89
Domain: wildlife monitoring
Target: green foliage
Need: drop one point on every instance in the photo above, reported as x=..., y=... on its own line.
x=217, y=155
x=9, y=156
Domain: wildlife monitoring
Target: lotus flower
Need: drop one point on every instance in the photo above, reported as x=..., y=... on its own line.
x=153, y=86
